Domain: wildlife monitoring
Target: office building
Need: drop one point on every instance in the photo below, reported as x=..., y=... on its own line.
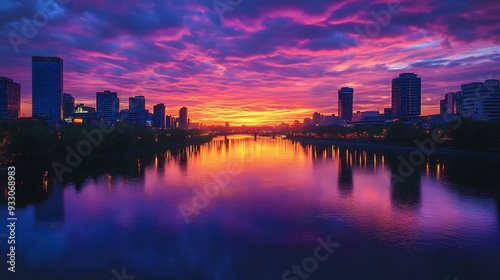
x=481, y=100
x=458, y=102
x=159, y=115
x=183, y=118
x=443, y=106
x=108, y=106
x=368, y=118
x=387, y=113
x=137, y=110
x=47, y=88
x=450, y=103
x=406, y=96
x=10, y=99
x=345, y=103
x=68, y=105
x=169, y=122
x=85, y=114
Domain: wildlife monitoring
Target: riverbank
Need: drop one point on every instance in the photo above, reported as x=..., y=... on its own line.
x=393, y=148
x=95, y=156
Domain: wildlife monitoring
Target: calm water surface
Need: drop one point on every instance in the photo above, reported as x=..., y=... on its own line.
x=281, y=196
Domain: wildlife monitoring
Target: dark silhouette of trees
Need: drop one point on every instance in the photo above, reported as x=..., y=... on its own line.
x=33, y=140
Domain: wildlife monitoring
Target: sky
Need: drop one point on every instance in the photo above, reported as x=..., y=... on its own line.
x=252, y=61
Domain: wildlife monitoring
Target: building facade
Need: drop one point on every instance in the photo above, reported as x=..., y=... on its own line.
x=137, y=110
x=345, y=99
x=183, y=118
x=68, y=105
x=10, y=99
x=406, y=96
x=481, y=100
x=108, y=106
x=47, y=88
x=443, y=106
x=159, y=115
x=169, y=122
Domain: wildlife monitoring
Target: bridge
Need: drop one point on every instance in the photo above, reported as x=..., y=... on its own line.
x=254, y=133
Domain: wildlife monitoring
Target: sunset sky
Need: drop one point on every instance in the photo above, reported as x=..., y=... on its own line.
x=264, y=62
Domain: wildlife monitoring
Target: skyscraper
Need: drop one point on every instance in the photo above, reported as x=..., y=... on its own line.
x=451, y=105
x=68, y=105
x=137, y=103
x=345, y=103
x=169, y=122
x=10, y=99
x=47, y=87
x=137, y=110
x=183, y=118
x=159, y=115
x=443, y=106
x=458, y=102
x=481, y=101
x=406, y=94
x=108, y=106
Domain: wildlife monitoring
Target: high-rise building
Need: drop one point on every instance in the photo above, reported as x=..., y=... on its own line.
x=108, y=106
x=68, y=105
x=10, y=99
x=450, y=103
x=47, y=88
x=169, y=122
x=345, y=103
x=458, y=102
x=137, y=110
x=406, y=96
x=443, y=106
x=159, y=115
x=183, y=118
x=387, y=113
x=137, y=103
x=481, y=101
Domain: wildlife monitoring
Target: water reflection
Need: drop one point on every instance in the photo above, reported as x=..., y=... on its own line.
x=345, y=181
x=405, y=190
x=269, y=215
x=460, y=176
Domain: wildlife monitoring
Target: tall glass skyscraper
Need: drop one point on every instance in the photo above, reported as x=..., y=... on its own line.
x=345, y=103
x=10, y=99
x=183, y=118
x=108, y=106
x=47, y=88
x=137, y=110
x=159, y=115
x=406, y=95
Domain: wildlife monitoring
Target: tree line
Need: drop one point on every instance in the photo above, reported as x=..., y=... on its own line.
x=30, y=139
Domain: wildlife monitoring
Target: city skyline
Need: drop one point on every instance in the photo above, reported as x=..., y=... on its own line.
x=264, y=62
x=405, y=99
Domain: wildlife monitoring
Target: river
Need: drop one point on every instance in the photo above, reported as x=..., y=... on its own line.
x=257, y=209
